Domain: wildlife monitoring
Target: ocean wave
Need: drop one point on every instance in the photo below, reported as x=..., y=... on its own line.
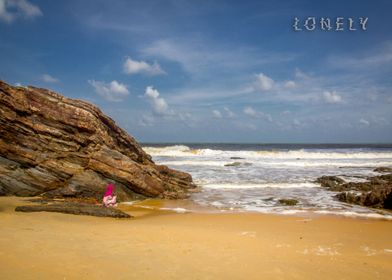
x=185, y=151
x=278, y=164
x=261, y=185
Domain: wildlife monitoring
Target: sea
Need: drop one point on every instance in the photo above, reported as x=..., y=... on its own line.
x=236, y=177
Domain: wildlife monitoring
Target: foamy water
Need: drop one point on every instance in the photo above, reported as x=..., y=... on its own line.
x=246, y=177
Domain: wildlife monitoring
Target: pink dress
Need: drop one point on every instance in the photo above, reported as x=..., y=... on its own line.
x=110, y=201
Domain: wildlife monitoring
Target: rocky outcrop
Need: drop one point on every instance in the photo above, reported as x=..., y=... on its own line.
x=288, y=201
x=75, y=208
x=61, y=147
x=375, y=192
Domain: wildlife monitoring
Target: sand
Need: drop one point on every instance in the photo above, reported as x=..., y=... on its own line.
x=166, y=245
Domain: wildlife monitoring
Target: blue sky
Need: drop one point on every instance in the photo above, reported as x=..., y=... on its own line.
x=210, y=71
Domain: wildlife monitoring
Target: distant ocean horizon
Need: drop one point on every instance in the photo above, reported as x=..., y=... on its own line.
x=253, y=177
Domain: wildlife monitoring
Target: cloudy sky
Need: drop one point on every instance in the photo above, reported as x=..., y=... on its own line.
x=210, y=71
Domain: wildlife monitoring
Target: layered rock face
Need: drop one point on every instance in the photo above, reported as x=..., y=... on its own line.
x=61, y=147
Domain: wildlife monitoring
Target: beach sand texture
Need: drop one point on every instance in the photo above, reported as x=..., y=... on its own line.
x=167, y=245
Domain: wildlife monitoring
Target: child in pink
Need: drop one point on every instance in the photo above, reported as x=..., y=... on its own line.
x=109, y=199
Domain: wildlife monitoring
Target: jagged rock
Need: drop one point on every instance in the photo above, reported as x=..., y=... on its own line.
x=75, y=209
x=376, y=192
x=333, y=183
x=288, y=202
x=61, y=147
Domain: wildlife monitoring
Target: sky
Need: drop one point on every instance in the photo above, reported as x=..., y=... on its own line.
x=211, y=71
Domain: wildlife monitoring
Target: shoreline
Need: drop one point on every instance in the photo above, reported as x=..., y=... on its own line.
x=167, y=245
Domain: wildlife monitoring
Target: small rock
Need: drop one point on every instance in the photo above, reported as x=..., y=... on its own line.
x=288, y=202
x=233, y=164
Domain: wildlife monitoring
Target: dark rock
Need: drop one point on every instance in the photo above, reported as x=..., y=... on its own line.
x=288, y=202
x=376, y=192
x=233, y=164
x=332, y=183
x=61, y=147
x=75, y=209
x=236, y=158
x=383, y=169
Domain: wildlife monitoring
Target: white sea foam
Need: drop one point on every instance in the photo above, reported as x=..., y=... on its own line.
x=175, y=209
x=185, y=151
x=355, y=214
x=264, y=185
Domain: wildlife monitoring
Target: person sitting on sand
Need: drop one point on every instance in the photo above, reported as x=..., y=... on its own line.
x=109, y=199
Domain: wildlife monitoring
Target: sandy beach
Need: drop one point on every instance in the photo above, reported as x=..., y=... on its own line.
x=163, y=245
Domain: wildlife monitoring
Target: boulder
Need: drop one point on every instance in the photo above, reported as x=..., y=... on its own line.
x=332, y=183
x=60, y=147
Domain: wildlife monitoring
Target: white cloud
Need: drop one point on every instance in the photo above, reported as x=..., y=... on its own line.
x=256, y=114
x=229, y=113
x=332, y=97
x=158, y=104
x=113, y=91
x=201, y=57
x=364, y=122
x=290, y=84
x=49, y=79
x=263, y=82
x=134, y=67
x=217, y=114
x=12, y=9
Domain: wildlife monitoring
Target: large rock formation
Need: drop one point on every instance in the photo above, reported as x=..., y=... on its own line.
x=61, y=147
x=375, y=192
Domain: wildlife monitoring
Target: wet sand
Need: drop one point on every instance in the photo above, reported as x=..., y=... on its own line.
x=166, y=245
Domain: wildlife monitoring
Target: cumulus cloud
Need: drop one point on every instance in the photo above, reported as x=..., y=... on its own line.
x=256, y=114
x=49, y=79
x=134, y=67
x=113, y=91
x=158, y=103
x=12, y=9
x=225, y=113
x=217, y=114
x=263, y=82
x=332, y=97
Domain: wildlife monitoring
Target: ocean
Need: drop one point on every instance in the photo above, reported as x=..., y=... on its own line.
x=254, y=177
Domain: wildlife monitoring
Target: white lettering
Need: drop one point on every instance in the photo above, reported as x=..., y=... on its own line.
x=295, y=25
x=363, y=22
x=310, y=23
x=339, y=24
x=351, y=24
x=325, y=24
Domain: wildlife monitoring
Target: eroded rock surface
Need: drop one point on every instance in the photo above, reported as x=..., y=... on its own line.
x=61, y=147
x=375, y=192
x=75, y=208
